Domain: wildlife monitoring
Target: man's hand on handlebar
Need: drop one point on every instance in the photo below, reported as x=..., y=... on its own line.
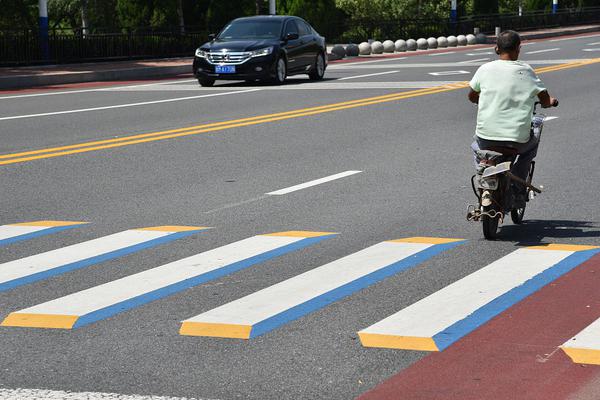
x=546, y=101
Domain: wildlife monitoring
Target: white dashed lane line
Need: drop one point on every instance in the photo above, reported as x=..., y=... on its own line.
x=443, y=73
x=365, y=76
x=474, y=61
x=543, y=51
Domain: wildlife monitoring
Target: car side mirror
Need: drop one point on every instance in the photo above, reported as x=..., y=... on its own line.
x=291, y=36
x=212, y=36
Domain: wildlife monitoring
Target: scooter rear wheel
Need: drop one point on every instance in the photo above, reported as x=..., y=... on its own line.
x=490, y=225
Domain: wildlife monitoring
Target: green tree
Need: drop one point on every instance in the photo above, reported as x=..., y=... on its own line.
x=482, y=7
x=18, y=14
x=321, y=14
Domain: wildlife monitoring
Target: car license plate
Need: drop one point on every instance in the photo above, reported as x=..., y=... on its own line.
x=225, y=69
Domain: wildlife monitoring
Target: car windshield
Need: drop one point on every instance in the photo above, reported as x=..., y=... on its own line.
x=251, y=30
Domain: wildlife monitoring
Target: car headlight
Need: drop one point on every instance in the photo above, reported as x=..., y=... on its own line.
x=201, y=53
x=262, y=52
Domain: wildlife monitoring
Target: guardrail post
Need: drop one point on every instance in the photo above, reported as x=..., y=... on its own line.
x=453, y=11
x=43, y=25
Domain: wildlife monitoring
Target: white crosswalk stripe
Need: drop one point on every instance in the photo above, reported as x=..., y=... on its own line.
x=28, y=230
x=264, y=310
x=80, y=255
x=437, y=321
x=102, y=301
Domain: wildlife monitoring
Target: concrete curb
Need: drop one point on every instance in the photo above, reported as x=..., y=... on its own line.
x=25, y=81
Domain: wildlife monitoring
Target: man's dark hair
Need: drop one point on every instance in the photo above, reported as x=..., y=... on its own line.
x=508, y=41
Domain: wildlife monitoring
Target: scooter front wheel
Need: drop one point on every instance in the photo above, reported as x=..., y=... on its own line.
x=517, y=215
x=490, y=225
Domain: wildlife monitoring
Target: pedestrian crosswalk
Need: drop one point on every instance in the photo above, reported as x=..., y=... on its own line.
x=51, y=263
x=431, y=324
x=102, y=301
x=267, y=309
x=461, y=307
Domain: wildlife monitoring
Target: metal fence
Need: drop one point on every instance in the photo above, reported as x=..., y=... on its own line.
x=26, y=47
x=360, y=30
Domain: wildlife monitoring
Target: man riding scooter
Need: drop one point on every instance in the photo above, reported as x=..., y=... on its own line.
x=506, y=91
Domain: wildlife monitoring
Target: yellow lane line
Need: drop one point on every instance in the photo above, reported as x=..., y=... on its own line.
x=204, y=126
x=212, y=129
x=15, y=158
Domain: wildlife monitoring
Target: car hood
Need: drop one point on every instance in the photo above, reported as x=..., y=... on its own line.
x=238, y=45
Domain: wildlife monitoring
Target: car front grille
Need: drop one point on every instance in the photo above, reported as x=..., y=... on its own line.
x=228, y=58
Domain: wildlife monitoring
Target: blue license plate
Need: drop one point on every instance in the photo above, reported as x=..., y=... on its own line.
x=225, y=69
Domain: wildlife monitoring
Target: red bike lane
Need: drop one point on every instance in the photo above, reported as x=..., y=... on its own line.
x=515, y=355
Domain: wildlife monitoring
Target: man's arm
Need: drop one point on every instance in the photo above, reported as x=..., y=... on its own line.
x=474, y=96
x=546, y=100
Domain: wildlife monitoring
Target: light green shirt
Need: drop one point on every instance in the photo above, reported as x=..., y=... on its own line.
x=507, y=93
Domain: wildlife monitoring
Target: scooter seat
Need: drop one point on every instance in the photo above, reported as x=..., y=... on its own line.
x=504, y=151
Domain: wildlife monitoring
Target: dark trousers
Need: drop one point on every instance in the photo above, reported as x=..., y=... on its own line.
x=527, y=152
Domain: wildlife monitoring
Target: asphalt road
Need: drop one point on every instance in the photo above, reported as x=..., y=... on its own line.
x=413, y=153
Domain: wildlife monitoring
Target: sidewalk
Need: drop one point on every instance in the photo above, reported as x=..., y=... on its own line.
x=26, y=77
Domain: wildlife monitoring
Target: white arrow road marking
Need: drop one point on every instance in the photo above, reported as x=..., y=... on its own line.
x=442, y=73
x=574, y=38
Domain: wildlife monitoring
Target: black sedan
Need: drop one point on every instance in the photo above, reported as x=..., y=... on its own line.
x=267, y=48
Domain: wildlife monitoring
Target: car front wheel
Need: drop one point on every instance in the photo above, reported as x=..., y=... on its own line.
x=318, y=70
x=280, y=71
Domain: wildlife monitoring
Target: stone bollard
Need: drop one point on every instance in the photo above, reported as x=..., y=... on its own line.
x=432, y=43
x=452, y=41
x=352, y=50
x=462, y=40
x=471, y=40
x=481, y=38
x=338, y=51
x=400, y=45
x=377, y=47
x=442, y=42
x=388, y=46
x=364, y=49
x=422, y=44
x=411, y=45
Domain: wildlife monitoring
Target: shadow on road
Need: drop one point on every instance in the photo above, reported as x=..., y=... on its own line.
x=533, y=232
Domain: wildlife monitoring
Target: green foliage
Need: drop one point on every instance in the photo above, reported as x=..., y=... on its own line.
x=482, y=7
x=327, y=16
x=18, y=14
x=323, y=15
